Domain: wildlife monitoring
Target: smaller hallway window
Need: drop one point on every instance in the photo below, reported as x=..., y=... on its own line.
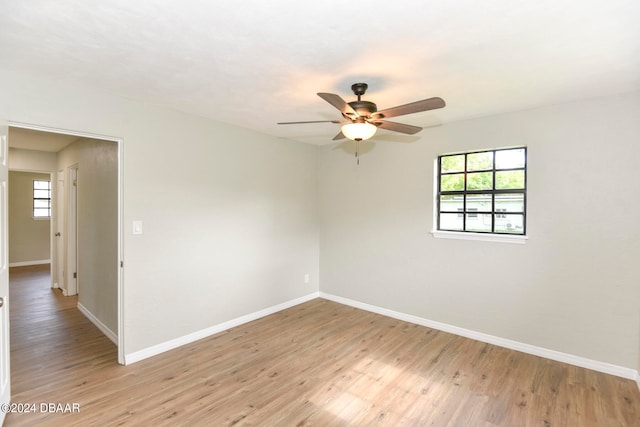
x=41, y=199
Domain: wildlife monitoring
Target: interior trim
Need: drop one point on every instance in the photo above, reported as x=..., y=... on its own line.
x=27, y=263
x=103, y=328
x=486, y=237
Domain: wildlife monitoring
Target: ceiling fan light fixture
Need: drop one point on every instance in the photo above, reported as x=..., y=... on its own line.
x=359, y=131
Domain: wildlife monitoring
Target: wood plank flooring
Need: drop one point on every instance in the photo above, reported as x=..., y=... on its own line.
x=319, y=363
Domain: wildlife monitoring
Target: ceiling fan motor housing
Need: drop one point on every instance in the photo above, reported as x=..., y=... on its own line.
x=363, y=108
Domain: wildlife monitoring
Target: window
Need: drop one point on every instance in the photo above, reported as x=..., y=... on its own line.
x=483, y=191
x=41, y=199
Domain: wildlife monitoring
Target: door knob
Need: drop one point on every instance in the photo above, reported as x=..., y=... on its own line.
x=1, y=302
x=58, y=234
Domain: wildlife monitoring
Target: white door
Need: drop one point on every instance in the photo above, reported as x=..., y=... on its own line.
x=60, y=231
x=5, y=380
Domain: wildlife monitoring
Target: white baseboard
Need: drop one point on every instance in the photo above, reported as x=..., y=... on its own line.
x=103, y=328
x=195, y=336
x=583, y=362
x=27, y=263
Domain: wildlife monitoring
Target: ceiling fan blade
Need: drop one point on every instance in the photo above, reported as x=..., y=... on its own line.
x=414, y=107
x=340, y=135
x=310, y=121
x=398, y=127
x=339, y=103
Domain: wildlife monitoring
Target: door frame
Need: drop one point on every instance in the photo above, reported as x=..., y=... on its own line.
x=5, y=340
x=71, y=231
x=120, y=255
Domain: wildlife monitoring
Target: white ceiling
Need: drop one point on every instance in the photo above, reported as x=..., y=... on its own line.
x=253, y=63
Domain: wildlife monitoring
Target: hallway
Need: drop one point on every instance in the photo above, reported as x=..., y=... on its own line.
x=53, y=345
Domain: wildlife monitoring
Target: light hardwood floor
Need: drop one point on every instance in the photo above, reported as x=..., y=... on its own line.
x=319, y=363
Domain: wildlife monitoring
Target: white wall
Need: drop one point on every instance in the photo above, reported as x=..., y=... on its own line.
x=29, y=238
x=34, y=161
x=41, y=161
x=574, y=287
x=30, y=160
x=231, y=224
x=230, y=215
x=97, y=225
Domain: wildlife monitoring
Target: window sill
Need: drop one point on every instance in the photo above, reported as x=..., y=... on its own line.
x=501, y=238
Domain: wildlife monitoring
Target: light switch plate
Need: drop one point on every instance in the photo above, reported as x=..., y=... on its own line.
x=137, y=227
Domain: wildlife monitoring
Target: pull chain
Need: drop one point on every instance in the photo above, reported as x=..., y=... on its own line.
x=357, y=149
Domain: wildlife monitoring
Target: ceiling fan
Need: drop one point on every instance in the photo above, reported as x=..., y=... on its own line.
x=361, y=118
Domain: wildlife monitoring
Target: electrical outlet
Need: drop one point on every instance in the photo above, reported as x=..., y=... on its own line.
x=306, y=278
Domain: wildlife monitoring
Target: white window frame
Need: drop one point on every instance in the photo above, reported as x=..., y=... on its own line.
x=33, y=209
x=467, y=235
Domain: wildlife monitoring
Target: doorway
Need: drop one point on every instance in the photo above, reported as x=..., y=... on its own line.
x=86, y=242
